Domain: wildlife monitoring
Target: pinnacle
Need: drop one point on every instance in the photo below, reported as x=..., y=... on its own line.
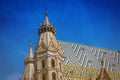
x=46, y=21
x=30, y=55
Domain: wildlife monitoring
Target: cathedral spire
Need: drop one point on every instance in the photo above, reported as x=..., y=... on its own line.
x=46, y=20
x=30, y=55
x=46, y=26
x=29, y=66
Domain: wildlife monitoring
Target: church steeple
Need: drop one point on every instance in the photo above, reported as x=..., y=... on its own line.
x=46, y=26
x=46, y=20
x=48, y=54
x=46, y=33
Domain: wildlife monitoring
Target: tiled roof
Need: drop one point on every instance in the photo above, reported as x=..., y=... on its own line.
x=90, y=57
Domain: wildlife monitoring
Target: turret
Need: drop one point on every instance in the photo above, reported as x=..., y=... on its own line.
x=29, y=66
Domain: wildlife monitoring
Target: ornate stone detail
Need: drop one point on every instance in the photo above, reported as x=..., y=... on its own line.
x=27, y=61
x=41, y=47
x=54, y=45
x=45, y=28
x=81, y=73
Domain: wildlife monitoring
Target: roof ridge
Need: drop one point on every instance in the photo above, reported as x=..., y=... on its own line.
x=91, y=46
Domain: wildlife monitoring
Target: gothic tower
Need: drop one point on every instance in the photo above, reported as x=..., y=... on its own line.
x=29, y=66
x=48, y=63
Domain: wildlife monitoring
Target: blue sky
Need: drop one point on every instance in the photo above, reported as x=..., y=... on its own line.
x=89, y=22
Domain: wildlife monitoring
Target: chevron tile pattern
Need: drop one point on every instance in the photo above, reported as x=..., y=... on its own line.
x=90, y=57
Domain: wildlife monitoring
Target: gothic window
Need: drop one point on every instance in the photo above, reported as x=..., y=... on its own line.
x=43, y=63
x=43, y=76
x=53, y=76
x=52, y=63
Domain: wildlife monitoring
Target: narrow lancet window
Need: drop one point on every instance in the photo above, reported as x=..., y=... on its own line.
x=52, y=63
x=43, y=63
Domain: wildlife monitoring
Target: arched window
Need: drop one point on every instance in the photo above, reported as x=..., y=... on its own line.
x=53, y=76
x=43, y=76
x=52, y=63
x=43, y=63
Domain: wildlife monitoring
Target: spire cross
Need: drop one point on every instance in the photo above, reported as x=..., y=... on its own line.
x=46, y=12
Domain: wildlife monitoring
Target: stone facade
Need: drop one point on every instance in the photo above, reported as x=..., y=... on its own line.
x=47, y=62
x=51, y=57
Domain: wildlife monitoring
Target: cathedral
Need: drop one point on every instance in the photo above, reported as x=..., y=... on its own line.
x=58, y=60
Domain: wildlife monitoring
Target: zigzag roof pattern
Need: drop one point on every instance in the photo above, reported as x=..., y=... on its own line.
x=90, y=57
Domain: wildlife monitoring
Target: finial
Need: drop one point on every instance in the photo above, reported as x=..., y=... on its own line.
x=46, y=21
x=30, y=55
x=46, y=12
x=30, y=43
